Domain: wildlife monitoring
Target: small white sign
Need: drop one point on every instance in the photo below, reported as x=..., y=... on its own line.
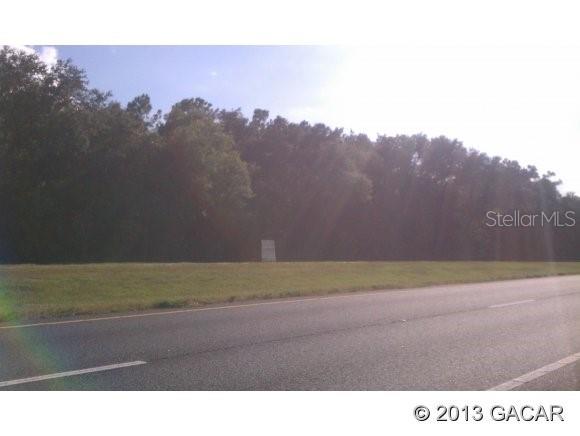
x=268, y=250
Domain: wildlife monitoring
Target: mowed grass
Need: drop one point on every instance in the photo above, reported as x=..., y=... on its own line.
x=49, y=291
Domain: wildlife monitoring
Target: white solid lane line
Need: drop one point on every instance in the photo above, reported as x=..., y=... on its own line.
x=201, y=309
x=70, y=373
x=522, y=379
x=513, y=303
x=361, y=294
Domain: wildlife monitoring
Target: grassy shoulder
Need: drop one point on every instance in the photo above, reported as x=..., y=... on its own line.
x=49, y=291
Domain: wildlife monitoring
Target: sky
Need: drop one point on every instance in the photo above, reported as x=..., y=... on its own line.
x=521, y=102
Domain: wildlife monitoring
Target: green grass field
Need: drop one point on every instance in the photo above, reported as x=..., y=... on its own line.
x=35, y=291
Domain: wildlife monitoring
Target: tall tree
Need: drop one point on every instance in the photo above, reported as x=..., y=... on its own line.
x=85, y=178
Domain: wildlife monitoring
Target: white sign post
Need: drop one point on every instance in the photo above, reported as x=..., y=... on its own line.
x=268, y=250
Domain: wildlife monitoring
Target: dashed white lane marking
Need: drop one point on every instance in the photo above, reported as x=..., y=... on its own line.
x=513, y=303
x=70, y=373
x=522, y=379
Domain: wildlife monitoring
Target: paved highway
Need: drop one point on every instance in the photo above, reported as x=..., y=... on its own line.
x=521, y=334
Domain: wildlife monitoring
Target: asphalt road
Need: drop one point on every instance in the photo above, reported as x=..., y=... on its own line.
x=467, y=337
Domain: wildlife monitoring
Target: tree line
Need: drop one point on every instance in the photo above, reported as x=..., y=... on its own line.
x=84, y=178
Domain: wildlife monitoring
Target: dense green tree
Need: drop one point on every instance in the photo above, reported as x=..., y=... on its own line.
x=84, y=178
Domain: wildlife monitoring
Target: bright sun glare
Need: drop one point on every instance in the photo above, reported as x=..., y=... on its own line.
x=507, y=101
